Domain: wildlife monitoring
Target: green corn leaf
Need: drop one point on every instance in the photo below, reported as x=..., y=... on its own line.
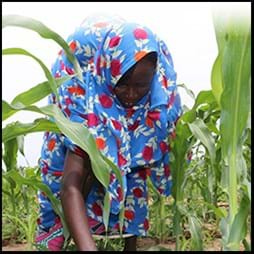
x=216, y=79
x=38, y=185
x=10, y=154
x=203, y=98
x=106, y=210
x=220, y=212
x=38, y=92
x=31, y=96
x=188, y=91
x=238, y=230
x=79, y=135
x=43, y=31
x=14, y=130
x=20, y=142
x=18, y=220
x=11, y=182
x=201, y=132
x=20, y=51
x=196, y=237
x=180, y=147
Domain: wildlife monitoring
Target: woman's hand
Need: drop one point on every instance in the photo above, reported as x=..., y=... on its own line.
x=77, y=172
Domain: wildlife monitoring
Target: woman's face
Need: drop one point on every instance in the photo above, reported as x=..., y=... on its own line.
x=135, y=83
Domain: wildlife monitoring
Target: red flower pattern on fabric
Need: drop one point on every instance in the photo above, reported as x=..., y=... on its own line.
x=45, y=169
x=142, y=173
x=73, y=46
x=57, y=173
x=100, y=143
x=115, y=67
x=163, y=146
x=51, y=144
x=146, y=224
x=106, y=101
x=154, y=115
x=121, y=160
x=147, y=153
x=114, y=41
x=140, y=33
x=120, y=193
x=171, y=99
x=98, y=65
x=117, y=125
x=76, y=90
x=129, y=215
x=68, y=101
x=97, y=209
x=69, y=70
x=166, y=170
x=112, y=177
x=137, y=192
x=134, y=126
x=93, y=120
x=164, y=81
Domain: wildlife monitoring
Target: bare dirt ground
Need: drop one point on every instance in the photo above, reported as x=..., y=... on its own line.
x=142, y=245
x=15, y=247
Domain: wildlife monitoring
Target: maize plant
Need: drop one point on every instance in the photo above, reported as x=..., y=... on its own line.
x=220, y=120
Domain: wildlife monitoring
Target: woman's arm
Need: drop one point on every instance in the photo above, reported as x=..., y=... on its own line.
x=76, y=171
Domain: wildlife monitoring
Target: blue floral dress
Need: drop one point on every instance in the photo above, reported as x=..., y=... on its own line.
x=135, y=139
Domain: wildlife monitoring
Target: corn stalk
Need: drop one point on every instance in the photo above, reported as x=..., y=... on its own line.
x=231, y=86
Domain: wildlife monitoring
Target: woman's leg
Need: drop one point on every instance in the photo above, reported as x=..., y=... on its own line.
x=130, y=244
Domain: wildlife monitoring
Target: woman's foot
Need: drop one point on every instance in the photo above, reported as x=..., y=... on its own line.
x=130, y=244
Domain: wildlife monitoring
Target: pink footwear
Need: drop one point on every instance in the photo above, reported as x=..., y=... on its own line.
x=52, y=240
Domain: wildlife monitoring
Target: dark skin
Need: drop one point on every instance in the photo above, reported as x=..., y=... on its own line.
x=78, y=176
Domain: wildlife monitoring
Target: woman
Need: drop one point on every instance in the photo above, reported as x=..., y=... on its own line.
x=129, y=101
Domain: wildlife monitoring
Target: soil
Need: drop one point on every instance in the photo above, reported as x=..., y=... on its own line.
x=15, y=247
x=143, y=244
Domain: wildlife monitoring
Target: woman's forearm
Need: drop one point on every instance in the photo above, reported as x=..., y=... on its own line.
x=76, y=219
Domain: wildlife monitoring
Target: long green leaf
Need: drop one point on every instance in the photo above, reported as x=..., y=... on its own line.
x=79, y=135
x=20, y=51
x=43, y=31
x=179, y=148
x=38, y=92
x=106, y=210
x=239, y=227
x=196, y=237
x=13, y=130
x=204, y=97
x=216, y=79
x=20, y=141
x=188, y=91
x=201, y=132
x=10, y=154
x=30, y=96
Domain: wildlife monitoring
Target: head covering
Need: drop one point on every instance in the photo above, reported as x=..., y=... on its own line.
x=133, y=137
